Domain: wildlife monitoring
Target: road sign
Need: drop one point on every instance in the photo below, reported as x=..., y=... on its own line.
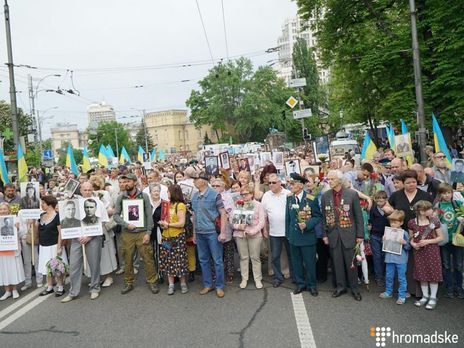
x=47, y=154
x=291, y=102
x=299, y=114
x=48, y=162
x=295, y=83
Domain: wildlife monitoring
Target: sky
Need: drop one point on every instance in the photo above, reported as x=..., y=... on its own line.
x=130, y=54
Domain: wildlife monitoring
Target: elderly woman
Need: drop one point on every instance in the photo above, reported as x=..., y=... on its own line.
x=247, y=222
x=155, y=199
x=219, y=186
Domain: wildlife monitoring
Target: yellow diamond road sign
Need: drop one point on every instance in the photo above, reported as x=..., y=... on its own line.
x=291, y=102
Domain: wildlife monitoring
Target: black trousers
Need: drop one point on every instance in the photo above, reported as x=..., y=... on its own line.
x=323, y=255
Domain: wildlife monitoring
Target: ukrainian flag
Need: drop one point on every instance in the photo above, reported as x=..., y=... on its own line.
x=109, y=151
x=3, y=170
x=85, y=161
x=391, y=136
x=140, y=154
x=103, y=157
x=71, y=161
x=439, y=140
x=368, y=148
x=153, y=155
x=22, y=166
x=124, y=156
x=161, y=155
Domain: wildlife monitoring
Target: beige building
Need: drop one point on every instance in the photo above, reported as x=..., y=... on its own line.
x=172, y=131
x=100, y=112
x=64, y=133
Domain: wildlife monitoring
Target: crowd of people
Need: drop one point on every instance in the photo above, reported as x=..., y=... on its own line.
x=313, y=226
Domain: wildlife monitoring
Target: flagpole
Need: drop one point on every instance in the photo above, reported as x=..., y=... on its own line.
x=418, y=84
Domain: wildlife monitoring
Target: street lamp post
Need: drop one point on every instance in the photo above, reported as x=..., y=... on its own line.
x=40, y=119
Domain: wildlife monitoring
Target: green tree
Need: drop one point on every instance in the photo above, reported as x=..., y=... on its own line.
x=78, y=155
x=106, y=133
x=25, y=122
x=140, y=138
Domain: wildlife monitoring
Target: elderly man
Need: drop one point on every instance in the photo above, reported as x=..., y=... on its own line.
x=396, y=168
x=207, y=206
x=93, y=247
x=274, y=203
x=344, y=228
x=441, y=170
x=136, y=238
x=425, y=182
x=302, y=213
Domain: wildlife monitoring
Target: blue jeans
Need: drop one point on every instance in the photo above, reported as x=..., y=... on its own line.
x=276, y=250
x=400, y=268
x=208, y=248
x=448, y=251
x=378, y=256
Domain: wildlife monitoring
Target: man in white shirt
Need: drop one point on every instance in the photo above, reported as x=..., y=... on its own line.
x=274, y=202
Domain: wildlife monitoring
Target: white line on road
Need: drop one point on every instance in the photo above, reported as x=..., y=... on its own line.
x=22, y=311
x=302, y=322
x=20, y=302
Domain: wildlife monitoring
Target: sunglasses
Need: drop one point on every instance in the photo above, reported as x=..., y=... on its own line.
x=273, y=182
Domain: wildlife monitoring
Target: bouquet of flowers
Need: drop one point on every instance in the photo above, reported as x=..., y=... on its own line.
x=302, y=214
x=357, y=257
x=56, y=267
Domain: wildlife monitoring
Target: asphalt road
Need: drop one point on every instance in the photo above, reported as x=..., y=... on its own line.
x=243, y=318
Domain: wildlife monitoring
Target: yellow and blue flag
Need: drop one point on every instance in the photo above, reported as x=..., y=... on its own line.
x=85, y=161
x=3, y=170
x=22, y=166
x=124, y=156
x=153, y=155
x=140, y=154
x=368, y=148
x=161, y=155
x=71, y=161
x=439, y=140
x=391, y=136
x=102, y=156
x=109, y=151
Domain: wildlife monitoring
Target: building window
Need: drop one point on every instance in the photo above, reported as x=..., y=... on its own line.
x=180, y=135
x=186, y=134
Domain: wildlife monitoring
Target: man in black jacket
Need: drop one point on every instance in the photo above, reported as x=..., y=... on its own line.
x=425, y=182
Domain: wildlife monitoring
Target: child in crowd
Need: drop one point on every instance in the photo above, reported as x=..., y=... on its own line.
x=425, y=234
x=446, y=207
x=377, y=223
x=395, y=262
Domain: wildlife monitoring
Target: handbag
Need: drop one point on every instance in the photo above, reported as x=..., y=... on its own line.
x=458, y=238
x=367, y=248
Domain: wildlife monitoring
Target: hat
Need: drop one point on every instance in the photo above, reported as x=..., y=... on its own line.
x=298, y=177
x=201, y=175
x=190, y=172
x=130, y=176
x=30, y=185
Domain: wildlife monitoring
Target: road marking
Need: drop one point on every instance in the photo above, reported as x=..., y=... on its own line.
x=20, y=302
x=302, y=322
x=22, y=311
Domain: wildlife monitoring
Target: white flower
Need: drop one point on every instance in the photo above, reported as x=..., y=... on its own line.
x=295, y=206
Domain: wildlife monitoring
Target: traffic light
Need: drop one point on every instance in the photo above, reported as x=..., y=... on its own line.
x=306, y=135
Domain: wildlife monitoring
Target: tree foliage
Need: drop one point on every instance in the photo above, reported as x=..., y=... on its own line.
x=140, y=138
x=240, y=103
x=107, y=133
x=367, y=45
x=25, y=121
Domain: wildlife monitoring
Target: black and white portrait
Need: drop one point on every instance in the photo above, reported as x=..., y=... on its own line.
x=211, y=165
x=90, y=211
x=292, y=166
x=225, y=162
x=457, y=170
x=69, y=213
x=7, y=228
x=30, y=197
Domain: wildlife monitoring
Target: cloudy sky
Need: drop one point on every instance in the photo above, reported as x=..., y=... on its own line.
x=114, y=47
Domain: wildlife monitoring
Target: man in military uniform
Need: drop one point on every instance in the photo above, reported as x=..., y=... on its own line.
x=302, y=214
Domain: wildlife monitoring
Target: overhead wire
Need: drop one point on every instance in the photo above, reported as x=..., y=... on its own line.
x=225, y=31
x=205, y=33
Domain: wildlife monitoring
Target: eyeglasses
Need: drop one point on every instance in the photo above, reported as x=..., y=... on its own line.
x=215, y=185
x=245, y=193
x=440, y=156
x=273, y=182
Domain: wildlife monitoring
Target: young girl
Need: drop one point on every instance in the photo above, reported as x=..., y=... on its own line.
x=11, y=266
x=425, y=234
x=446, y=212
x=398, y=263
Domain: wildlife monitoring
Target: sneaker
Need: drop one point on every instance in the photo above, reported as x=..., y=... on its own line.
x=204, y=291
x=408, y=295
x=243, y=284
x=68, y=298
x=431, y=304
x=220, y=293
x=258, y=284
x=15, y=294
x=120, y=271
x=171, y=289
x=127, y=288
x=449, y=294
x=25, y=287
x=94, y=295
x=59, y=293
x=421, y=302
x=154, y=288
x=400, y=301
x=108, y=282
x=385, y=295
x=183, y=288
x=6, y=295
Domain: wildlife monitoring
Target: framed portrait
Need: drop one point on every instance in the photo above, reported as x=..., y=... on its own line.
x=133, y=212
x=70, y=187
x=403, y=146
x=187, y=191
x=8, y=233
x=265, y=158
x=321, y=148
x=311, y=169
x=391, y=243
x=457, y=170
x=293, y=166
x=212, y=165
x=70, y=218
x=244, y=164
x=30, y=196
x=225, y=160
x=278, y=159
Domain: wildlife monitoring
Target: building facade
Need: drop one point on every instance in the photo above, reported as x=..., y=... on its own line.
x=64, y=133
x=172, y=131
x=292, y=29
x=100, y=112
